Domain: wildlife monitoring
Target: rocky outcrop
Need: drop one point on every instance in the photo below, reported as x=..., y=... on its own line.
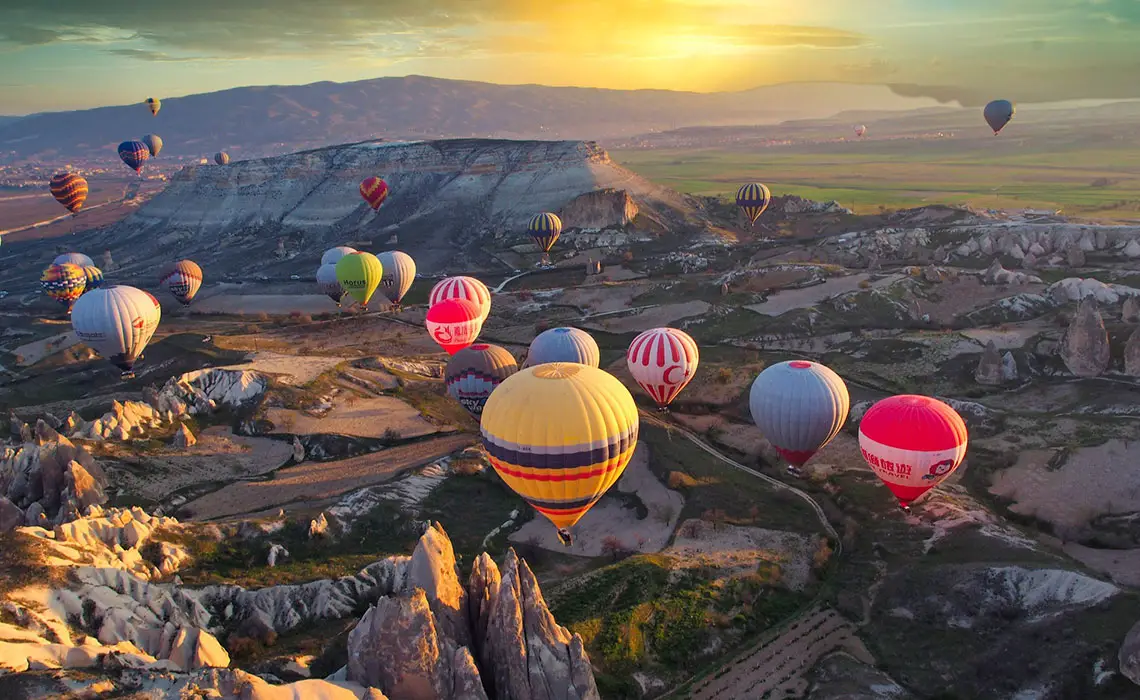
x=1129, y=655
x=183, y=438
x=994, y=368
x=599, y=209
x=996, y=274
x=793, y=204
x=49, y=476
x=1075, y=288
x=1084, y=347
x=1132, y=354
x=1130, y=311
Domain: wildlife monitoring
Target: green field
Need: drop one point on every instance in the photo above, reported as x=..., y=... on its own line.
x=1094, y=181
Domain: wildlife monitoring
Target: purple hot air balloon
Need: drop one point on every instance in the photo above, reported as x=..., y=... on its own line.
x=799, y=406
x=474, y=372
x=563, y=345
x=134, y=154
x=998, y=113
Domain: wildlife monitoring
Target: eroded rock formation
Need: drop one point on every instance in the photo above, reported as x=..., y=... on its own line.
x=994, y=368
x=599, y=209
x=49, y=477
x=1129, y=655
x=1084, y=348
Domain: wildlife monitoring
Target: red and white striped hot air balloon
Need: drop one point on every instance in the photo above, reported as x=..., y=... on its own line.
x=912, y=443
x=454, y=324
x=662, y=361
x=467, y=288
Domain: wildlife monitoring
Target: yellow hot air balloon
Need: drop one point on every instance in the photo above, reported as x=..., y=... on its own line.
x=560, y=435
x=359, y=274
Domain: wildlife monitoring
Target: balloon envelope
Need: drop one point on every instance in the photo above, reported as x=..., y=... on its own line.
x=69, y=189
x=94, y=278
x=153, y=143
x=222, y=158
x=332, y=255
x=374, y=191
x=154, y=104
x=474, y=372
x=998, y=113
x=912, y=443
x=359, y=274
x=327, y=281
x=545, y=228
x=117, y=322
x=753, y=198
x=64, y=283
x=563, y=345
x=183, y=279
x=73, y=259
x=134, y=154
x=799, y=406
x=860, y=130
x=662, y=361
x=467, y=288
x=453, y=324
x=399, y=273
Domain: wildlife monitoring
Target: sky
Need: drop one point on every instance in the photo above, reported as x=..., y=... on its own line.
x=71, y=54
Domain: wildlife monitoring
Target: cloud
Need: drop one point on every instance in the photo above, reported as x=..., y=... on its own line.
x=148, y=55
x=26, y=35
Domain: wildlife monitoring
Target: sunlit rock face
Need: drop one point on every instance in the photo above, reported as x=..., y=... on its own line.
x=1085, y=347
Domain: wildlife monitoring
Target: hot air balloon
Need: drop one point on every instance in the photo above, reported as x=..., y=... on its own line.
x=799, y=406
x=912, y=443
x=860, y=130
x=375, y=191
x=359, y=274
x=183, y=279
x=663, y=361
x=545, y=228
x=64, y=283
x=563, y=345
x=94, y=278
x=222, y=158
x=73, y=259
x=998, y=113
x=333, y=255
x=70, y=190
x=153, y=143
x=134, y=154
x=117, y=322
x=560, y=435
x=474, y=372
x=753, y=198
x=327, y=281
x=399, y=273
x=154, y=104
x=467, y=288
x=453, y=324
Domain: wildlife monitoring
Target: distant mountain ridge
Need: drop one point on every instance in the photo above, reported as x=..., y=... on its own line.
x=261, y=121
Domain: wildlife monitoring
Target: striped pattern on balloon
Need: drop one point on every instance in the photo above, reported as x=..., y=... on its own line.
x=70, y=190
x=663, y=361
x=753, y=199
x=134, y=154
x=453, y=324
x=467, y=288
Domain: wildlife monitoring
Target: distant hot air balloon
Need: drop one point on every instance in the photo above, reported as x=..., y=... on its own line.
x=860, y=130
x=134, y=154
x=154, y=104
x=375, y=191
x=560, y=435
x=474, y=372
x=467, y=288
x=327, y=281
x=117, y=322
x=153, y=143
x=64, y=283
x=332, y=255
x=912, y=443
x=799, y=406
x=399, y=273
x=998, y=113
x=545, y=228
x=753, y=199
x=70, y=190
x=222, y=158
x=563, y=345
x=453, y=324
x=183, y=279
x=73, y=259
x=94, y=278
x=359, y=274
x=662, y=362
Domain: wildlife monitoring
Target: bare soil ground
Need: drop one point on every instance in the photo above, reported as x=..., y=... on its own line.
x=737, y=550
x=31, y=353
x=271, y=304
x=102, y=208
x=791, y=299
x=602, y=298
x=368, y=418
x=290, y=369
x=1122, y=566
x=649, y=318
x=969, y=293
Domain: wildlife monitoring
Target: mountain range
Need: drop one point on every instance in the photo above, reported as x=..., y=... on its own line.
x=260, y=121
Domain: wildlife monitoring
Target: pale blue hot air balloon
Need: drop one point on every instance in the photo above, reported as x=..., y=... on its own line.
x=73, y=259
x=563, y=345
x=799, y=406
x=332, y=255
x=329, y=284
x=399, y=273
x=117, y=322
x=998, y=113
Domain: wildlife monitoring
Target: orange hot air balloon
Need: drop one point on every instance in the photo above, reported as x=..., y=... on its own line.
x=375, y=191
x=70, y=190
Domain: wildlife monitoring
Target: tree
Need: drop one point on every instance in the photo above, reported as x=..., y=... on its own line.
x=612, y=546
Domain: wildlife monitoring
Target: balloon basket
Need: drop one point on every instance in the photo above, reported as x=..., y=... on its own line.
x=663, y=410
x=904, y=508
x=127, y=375
x=794, y=471
x=565, y=538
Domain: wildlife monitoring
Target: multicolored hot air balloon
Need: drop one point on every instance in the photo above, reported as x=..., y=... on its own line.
x=467, y=288
x=70, y=190
x=563, y=345
x=799, y=406
x=474, y=372
x=332, y=255
x=327, y=281
x=560, y=435
x=94, y=278
x=73, y=259
x=359, y=274
x=454, y=324
x=117, y=322
x=64, y=283
x=912, y=443
x=183, y=279
x=153, y=143
x=545, y=228
x=375, y=191
x=860, y=130
x=399, y=273
x=134, y=154
x=222, y=158
x=662, y=362
x=753, y=199
x=998, y=113
x=154, y=104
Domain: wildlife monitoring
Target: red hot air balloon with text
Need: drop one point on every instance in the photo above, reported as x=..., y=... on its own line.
x=454, y=324
x=663, y=361
x=912, y=443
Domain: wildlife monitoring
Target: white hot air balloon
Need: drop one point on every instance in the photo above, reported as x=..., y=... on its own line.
x=399, y=273
x=74, y=259
x=117, y=322
x=467, y=288
x=662, y=361
x=332, y=255
x=329, y=284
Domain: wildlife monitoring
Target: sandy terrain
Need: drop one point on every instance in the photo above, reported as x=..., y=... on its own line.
x=649, y=318
x=744, y=438
x=218, y=455
x=312, y=481
x=60, y=409
x=37, y=350
x=775, y=669
x=1093, y=481
x=608, y=517
x=367, y=418
x=969, y=293
x=273, y=304
x=601, y=299
x=290, y=369
x=1122, y=566
x=789, y=299
x=1010, y=339
x=738, y=550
